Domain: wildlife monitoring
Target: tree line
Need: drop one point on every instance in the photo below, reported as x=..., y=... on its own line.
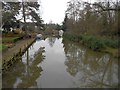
x=98, y=18
x=14, y=13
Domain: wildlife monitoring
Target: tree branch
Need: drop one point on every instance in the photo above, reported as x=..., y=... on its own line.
x=106, y=9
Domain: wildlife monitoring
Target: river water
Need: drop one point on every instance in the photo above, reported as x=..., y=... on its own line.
x=56, y=63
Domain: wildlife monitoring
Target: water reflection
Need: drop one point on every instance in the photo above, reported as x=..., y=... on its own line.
x=51, y=41
x=25, y=72
x=54, y=73
x=90, y=69
x=56, y=63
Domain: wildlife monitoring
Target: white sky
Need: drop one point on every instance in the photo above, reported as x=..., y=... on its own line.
x=53, y=10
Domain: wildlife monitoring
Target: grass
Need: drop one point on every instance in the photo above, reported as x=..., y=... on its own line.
x=9, y=38
x=112, y=51
x=2, y=47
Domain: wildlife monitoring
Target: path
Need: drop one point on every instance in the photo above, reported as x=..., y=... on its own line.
x=6, y=55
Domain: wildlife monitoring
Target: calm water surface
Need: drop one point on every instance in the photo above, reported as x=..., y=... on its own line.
x=63, y=65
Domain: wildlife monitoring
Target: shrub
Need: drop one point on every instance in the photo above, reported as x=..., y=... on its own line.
x=111, y=43
x=92, y=42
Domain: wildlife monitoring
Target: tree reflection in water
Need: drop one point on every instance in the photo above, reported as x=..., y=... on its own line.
x=25, y=72
x=76, y=67
x=91, y=69
x=51, y=41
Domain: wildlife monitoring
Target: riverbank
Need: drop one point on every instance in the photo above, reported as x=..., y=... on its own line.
x=95, y=43
x=19, y=47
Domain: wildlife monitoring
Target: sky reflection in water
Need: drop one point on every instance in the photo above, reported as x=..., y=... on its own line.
x=65, y=65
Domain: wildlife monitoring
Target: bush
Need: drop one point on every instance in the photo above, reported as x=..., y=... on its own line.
x=93, y=42
x=111, y=43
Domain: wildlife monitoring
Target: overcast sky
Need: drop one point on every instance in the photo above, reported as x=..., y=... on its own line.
x=53, y=10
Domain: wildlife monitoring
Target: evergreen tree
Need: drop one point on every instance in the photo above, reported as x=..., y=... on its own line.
x=9, y=13
x=64, y=27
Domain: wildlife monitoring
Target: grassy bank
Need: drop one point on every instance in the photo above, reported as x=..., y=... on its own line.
x=2, y=47
x=95, y=43
x=7, y=42
x=10, y=39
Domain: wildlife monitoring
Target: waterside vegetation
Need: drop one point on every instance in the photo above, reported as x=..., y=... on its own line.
x=95, y=43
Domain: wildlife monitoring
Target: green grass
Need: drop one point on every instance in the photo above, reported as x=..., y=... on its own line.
x=2, y=47
x=9, y=38
x=14, y=39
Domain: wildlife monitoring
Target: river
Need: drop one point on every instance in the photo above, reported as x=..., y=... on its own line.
x=56, y=63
